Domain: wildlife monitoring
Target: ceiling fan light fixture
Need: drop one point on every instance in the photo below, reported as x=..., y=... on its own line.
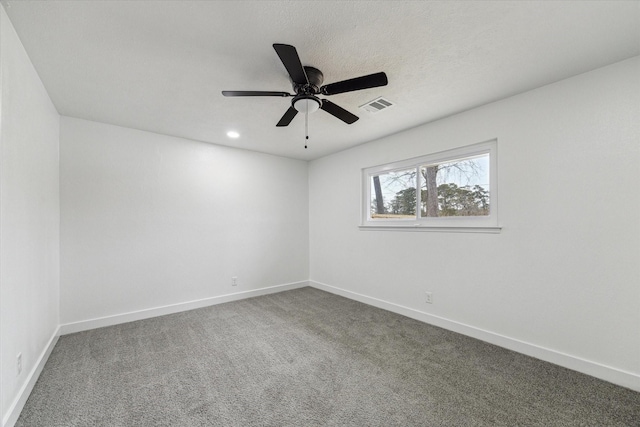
x=306, y=104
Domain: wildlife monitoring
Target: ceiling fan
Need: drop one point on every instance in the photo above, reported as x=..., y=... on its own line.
x=307, y=83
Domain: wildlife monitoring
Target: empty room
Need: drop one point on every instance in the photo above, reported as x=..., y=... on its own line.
x=319, y=213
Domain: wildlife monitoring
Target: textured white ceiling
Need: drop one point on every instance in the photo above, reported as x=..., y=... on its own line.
x=161, y=65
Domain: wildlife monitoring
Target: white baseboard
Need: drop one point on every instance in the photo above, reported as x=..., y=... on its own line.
x=607, y=373
x=13, y=413
x=85, y=325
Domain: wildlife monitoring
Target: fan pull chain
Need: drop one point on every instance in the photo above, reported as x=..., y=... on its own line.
x=306, y=127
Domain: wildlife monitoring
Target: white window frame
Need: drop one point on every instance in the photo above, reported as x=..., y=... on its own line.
x=482, y=224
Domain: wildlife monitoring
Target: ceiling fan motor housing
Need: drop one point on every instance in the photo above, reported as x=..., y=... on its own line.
x=305, y=101
x=315, y=79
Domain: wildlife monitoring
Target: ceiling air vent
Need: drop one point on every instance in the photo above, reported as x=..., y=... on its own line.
x=377, y=105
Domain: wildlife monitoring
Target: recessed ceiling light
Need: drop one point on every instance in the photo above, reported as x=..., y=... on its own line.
x=233, y=134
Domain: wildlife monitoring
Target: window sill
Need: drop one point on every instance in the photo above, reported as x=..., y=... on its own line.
x=431, y=228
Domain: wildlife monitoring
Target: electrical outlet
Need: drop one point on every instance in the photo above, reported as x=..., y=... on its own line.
x=234, y=281
x=429, y=298
x=19, y=363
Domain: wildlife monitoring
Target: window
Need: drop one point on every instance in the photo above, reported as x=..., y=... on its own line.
x=457, y=192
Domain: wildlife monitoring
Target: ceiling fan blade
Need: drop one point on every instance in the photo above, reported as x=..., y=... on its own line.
x=289, y=57
x=288, y=116
x=253, y=93
x=338, y=112
x=364, y=82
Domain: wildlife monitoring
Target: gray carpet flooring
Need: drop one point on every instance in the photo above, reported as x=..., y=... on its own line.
x=308, y=358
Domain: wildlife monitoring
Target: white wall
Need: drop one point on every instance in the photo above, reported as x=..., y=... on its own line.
x=29, y=219
x=562, y=279
x=151, y=220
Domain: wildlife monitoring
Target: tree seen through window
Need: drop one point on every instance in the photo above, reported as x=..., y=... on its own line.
x=454, y=188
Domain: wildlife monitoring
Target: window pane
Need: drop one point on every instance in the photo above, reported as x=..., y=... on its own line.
x=393, y=195
x=455, y=188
